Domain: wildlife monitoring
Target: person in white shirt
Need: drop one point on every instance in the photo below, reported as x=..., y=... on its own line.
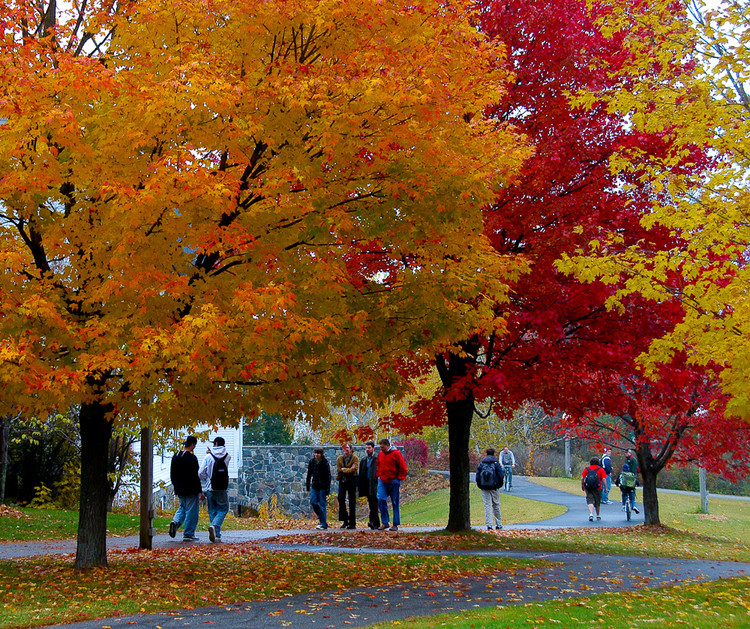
x=214, y=475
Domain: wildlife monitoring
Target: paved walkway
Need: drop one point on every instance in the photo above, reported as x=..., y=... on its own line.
x=572, y=575
x=575, y=516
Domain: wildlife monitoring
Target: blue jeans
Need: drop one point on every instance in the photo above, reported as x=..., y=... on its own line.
x=607, y=488
x=217, y=501
x=187, y=513
x=392, y=490
x=628, y=494
x=319, y=504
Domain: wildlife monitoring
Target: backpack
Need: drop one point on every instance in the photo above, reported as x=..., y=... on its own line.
x=486, y=476
x=591, y=480
x=220, y=473
x=627, y=480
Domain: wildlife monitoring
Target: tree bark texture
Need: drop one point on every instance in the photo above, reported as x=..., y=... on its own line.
x=4, y=445
x=96, y=431
x=455, y=370
x=460, y=414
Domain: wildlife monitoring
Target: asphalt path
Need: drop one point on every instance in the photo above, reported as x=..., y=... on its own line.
x=576, y=515
x=570, y=575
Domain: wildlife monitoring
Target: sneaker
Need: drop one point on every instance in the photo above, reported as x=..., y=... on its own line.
x=489, y=528
x=212, y=533
x=591, y=518
x=598, y=517
x=190, y=539
x=499, y=527
x=636, y=509
x=383, y=527
x=217, y=540
x=623, y=508
x=321, y=527
x=172, y=529
x=393, y=528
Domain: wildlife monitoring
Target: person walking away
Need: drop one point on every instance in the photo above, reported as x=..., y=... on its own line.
x=391, y=471
x=627, y=482
x=183, y=473
x=508, y=460
x=368, y=483
x=215, y=477
x=489, y=479
x=606, y=463
x=347, y=467
x=592, y=481
x=318, y=483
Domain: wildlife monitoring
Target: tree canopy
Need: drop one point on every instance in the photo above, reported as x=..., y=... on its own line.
x=213, y=208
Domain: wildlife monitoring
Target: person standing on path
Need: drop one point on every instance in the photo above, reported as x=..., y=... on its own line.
x=368, y=483
x=214, y=474
x=347, y=466
x=508, y=460
x=593, y=479
x=391, y=471
x=183, y=473
x=489, y=479
x=318, y=483
x=606, y=463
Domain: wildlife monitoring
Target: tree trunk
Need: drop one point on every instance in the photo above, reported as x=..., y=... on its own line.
x=650, y=499
x=460, y=414
x=96, y=431
x=4, y=443
x=455, y=371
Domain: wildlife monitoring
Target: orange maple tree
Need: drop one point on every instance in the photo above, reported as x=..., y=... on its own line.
x=213, y=207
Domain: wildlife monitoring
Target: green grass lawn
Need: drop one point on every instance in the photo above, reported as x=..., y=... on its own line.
x=54, y=524
x=727, y=519
x=432, y=510
x=724, y=604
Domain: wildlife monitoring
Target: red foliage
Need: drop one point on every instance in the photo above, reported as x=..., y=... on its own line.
x=415, y=451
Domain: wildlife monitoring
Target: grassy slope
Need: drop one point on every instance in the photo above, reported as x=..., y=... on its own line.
x=432, y=510
x=727, y=519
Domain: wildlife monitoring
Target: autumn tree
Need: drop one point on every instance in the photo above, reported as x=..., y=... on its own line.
x=706, y=270
x=212, y=208
x=567, y=60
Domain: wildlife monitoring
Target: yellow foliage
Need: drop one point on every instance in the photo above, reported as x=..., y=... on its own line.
x=215, y=208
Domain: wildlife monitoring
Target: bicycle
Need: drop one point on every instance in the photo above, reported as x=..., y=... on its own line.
x=508, y=478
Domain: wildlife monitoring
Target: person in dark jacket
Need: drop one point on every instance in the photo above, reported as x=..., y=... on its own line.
x=606, y=463
x=490, y=489
x=319, y=485
x=368, y=483
x=187, y=488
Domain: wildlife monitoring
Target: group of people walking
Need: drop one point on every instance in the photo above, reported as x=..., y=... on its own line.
x=376, y=477
x=596, y=482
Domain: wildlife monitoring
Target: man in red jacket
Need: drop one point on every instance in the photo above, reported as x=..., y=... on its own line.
x=391, y=471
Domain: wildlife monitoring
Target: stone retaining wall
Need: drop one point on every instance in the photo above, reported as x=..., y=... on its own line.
x=268, y=471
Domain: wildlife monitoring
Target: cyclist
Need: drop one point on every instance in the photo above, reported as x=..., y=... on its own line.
x=508, y=461
x=627, y=481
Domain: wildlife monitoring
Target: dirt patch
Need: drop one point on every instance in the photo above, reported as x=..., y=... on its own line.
x=709, y=516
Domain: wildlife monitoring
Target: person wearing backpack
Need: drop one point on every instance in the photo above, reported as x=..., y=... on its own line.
x=183, y=473
x=627, y=482
x=489, y=478
x=592, y=480
x=214, y=474
x=606, y=463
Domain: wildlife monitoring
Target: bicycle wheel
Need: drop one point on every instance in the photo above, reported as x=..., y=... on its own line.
x=627, y=510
